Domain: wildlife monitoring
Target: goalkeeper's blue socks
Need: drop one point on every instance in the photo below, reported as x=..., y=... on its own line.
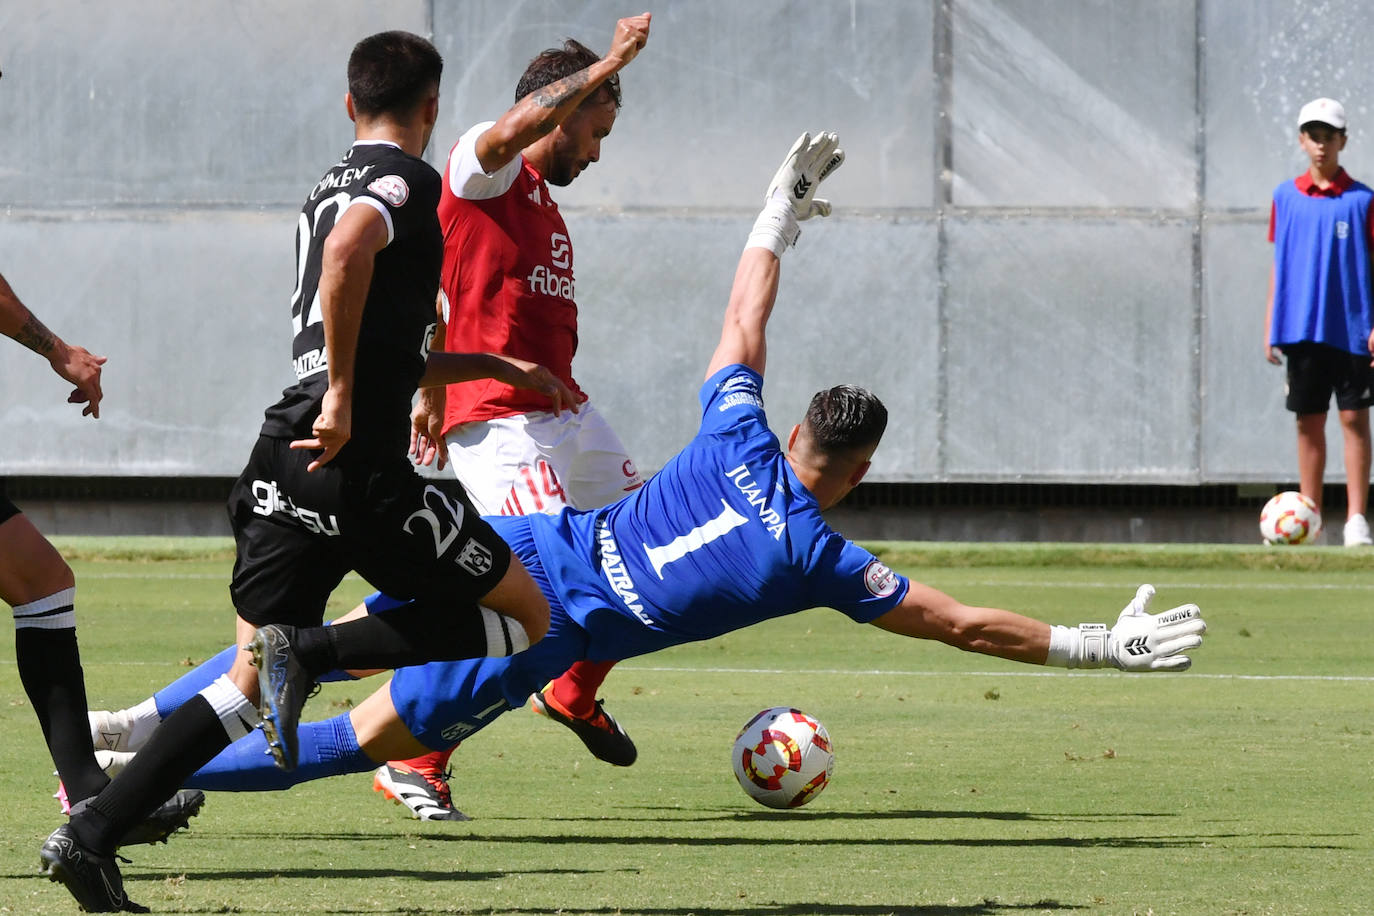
x=170, y=698
x=328, y=748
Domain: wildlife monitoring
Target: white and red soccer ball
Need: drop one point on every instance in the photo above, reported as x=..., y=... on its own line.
x=1289, y=518
x=783, y=757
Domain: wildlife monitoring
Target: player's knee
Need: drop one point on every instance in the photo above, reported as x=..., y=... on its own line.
x=519, y=598
x=34, y=574
x=537, y=626
x=245, y=677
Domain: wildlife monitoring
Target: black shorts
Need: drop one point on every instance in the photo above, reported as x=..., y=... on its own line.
x=8, y=510
x=1316, y=371
x=299, y=533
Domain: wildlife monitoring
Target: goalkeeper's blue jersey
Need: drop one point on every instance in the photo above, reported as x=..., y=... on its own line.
x=724, y=536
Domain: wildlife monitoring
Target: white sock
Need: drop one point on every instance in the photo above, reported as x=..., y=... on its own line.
x=236, y=713
x=505, y=635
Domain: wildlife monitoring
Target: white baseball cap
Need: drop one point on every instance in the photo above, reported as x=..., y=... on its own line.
x=1326, y=111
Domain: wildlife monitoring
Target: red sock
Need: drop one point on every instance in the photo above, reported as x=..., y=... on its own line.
x=576, y=689
x=435, y=760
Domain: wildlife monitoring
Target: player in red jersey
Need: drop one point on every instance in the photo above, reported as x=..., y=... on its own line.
x=508, y=287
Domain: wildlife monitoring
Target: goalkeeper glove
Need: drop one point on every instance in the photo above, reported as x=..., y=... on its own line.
x=791, y=193
x=809, y=162
x=1139, y=641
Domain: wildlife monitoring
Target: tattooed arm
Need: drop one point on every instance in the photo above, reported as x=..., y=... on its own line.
x=74, y=364
x=538, y=113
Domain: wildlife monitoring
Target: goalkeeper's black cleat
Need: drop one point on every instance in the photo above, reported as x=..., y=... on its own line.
x=92, y=878
x=283, y=685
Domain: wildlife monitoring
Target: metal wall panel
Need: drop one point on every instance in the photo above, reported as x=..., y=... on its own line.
x=1074, y=104
x=857, y=305
x=1071, y=350
x=719, y=93
x=193, y=311
x=163, y=102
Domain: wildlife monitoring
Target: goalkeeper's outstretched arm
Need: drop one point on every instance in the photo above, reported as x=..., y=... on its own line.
x=1139, y=640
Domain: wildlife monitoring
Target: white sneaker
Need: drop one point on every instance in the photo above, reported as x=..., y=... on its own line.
x=1357, y=532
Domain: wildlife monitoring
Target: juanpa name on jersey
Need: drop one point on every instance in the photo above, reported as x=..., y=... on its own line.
x=743, y=479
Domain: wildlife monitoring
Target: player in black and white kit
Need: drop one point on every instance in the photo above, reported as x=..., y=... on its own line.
x=328, y=488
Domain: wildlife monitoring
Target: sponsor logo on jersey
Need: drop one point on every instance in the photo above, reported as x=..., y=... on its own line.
x=391, y=188
x=545, y=281
x=737, y=390
x=560, y=250
x=271, y=500
x=617, y=576
x=341, y=180
x=743, y=479
x=307, y=364
x=475, y=558
x=879, y=580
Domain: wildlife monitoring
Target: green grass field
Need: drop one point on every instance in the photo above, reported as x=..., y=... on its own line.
x=963, y=785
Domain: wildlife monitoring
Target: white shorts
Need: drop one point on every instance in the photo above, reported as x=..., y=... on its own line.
x=541, y=462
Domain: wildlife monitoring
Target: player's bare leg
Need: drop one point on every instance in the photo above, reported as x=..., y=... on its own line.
x=1311, y=455
x=1355, y=429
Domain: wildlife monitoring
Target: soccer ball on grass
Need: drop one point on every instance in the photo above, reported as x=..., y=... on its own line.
x=1289, y=518
x=783, y=758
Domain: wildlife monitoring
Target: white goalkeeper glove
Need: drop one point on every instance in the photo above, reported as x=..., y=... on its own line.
x=791, y=193
x=1140, y=641
x=809, y=162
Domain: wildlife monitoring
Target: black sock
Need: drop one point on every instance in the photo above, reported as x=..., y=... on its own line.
x=415, y=633
x=50, y=670
x=185, y=741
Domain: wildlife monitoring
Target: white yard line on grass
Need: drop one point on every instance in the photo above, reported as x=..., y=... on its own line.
x=1162, y=584
x=1050, y=673
x=840, y=672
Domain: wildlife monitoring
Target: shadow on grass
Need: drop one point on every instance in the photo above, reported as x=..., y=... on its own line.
x=982, y=908
x=1053, y=842
x=682, y=815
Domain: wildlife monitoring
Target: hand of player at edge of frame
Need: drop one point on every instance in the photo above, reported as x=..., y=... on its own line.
x=427, y=427
x=631, y=34
x=332, y=428
x=522, y=373
x=1273, y=354
x=1370, y=344
x=82, y=368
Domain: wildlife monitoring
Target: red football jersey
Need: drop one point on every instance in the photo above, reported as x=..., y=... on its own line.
x=508, y=276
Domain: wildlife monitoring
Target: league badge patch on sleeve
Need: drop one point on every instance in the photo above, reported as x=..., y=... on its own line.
x=392, y=189
x=880, y=580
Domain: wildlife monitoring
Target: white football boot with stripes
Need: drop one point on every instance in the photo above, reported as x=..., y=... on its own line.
x=423, y=789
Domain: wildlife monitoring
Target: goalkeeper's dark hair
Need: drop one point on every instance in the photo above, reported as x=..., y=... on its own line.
x=392, y=73
x=555, y=64
x=845, y=419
